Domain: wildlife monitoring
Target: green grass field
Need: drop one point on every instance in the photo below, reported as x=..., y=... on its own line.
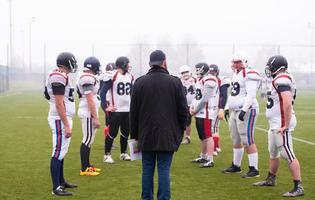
x=26, y=148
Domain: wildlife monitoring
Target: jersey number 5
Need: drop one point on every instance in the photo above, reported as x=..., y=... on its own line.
x=269, y=100
x=123, y=88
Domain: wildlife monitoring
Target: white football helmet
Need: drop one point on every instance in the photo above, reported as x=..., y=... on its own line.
x=240, y=56
x=185, y=72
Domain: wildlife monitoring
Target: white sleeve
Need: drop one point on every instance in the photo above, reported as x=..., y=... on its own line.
x=251, y=87
x=87, y=83
x=206, y=94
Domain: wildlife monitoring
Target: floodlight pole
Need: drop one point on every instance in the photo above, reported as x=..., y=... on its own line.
x=10, y=60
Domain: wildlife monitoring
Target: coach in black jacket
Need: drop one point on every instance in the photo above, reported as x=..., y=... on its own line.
x=158, y=117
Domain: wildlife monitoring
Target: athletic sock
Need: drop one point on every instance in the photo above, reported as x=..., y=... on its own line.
x=84, y=157
x=88, y=156
x=209, y=158
x=108, y=145
x=296, y=183
x=61, y=178
x=237, y=156
x=253, y=160
x=55, y=165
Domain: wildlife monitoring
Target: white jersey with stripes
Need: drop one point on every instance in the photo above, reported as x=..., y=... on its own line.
x=190, y=89
x=245, y=84
x=210, y=109
x=119, y=94
x=57, y=76
x=274, y=108
x=86, y=79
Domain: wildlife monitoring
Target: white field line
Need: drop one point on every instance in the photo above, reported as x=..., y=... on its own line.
x=294, y=138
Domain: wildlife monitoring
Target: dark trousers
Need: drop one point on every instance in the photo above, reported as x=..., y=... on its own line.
x=117, y=120
x=163, y=159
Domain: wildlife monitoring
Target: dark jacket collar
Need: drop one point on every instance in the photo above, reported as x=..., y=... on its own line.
x=157, y=69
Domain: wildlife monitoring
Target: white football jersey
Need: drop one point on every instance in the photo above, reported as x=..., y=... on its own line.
x=119, y=94
x=210, y=109
x=274, y=109
x=57, y=76
x=245, y=84
x=190, y=89
x=87, y=79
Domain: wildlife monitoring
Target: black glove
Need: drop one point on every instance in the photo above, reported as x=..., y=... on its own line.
x=241, y=115
x=226, y=115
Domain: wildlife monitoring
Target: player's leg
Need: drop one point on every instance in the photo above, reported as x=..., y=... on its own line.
x=246, y=130
x=187, y=139
x=238, y=149
x=294, y=166
x=216, y=137
x=200, y=130
x=60, y=148
x=114, y=122
x=124, y=128
x=207, y=143
x=274, y=161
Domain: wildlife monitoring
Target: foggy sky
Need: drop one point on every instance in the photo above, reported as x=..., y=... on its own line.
x=76, y=24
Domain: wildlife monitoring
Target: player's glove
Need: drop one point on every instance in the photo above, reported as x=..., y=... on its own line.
x=226, y=115
x=241, y=115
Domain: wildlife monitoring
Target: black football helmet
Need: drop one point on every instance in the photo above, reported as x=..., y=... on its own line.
x=110, y=66
x=201, y=69
x=122, y=63
x=214, y=69
x=67, y=60
x=275, y=64
x=93, y=64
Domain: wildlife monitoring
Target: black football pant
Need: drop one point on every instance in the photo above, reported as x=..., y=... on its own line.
x=117, y=120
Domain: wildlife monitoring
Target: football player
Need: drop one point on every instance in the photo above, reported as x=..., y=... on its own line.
x=188, y=82
x=59, y=93
x=119, y=85
x=204, y=108
x=224, y=84
x=87, y=89
x=281, y=124
x=244, y=109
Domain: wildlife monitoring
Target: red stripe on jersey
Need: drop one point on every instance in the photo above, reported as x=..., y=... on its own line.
x=132, y=78
x=253, y=72
x=59, y=74
x=283, y=76
x=115, y=76
x=281, y=110
x=244, y=72
x=111, y=90
x=90, y=76
x=210, y=79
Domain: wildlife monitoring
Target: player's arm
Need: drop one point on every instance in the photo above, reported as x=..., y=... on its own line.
x=59, y=91
x=285, y=94
x=105, y=87
x=222, y=100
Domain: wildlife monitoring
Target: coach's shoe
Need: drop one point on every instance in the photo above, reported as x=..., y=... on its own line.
x=269, y=181
x=187, y=140
x=297, y=191
x=59, y=191
x=208, y=164
x=108, y=159
x=95, y=169
x=125, y=157
x=199, y=160
x=89, y=172
x=68, y=185
x=232, y=169
x=252, y=172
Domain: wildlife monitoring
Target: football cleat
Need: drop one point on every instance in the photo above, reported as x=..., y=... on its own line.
x=298, y=191
x=186, y=140
x=232, y=169
x=199, y=160
x=219, y=150
x=125, y=157
x=208, y=164
x=89, y=172
x=269, y=181
x=252, y=172
x=108, y=159
x=68, y=185
x=59, y=191
x=215, y=153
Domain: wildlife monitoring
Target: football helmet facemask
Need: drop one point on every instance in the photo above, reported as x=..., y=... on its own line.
x=68, y=61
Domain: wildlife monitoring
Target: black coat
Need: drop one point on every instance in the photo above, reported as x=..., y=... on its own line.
x=158, y=111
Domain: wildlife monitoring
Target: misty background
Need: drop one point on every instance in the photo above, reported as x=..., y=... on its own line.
x=34, y=32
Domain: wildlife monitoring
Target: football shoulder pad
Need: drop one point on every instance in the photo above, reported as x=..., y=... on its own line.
x=252, y=74
x=57, y=76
